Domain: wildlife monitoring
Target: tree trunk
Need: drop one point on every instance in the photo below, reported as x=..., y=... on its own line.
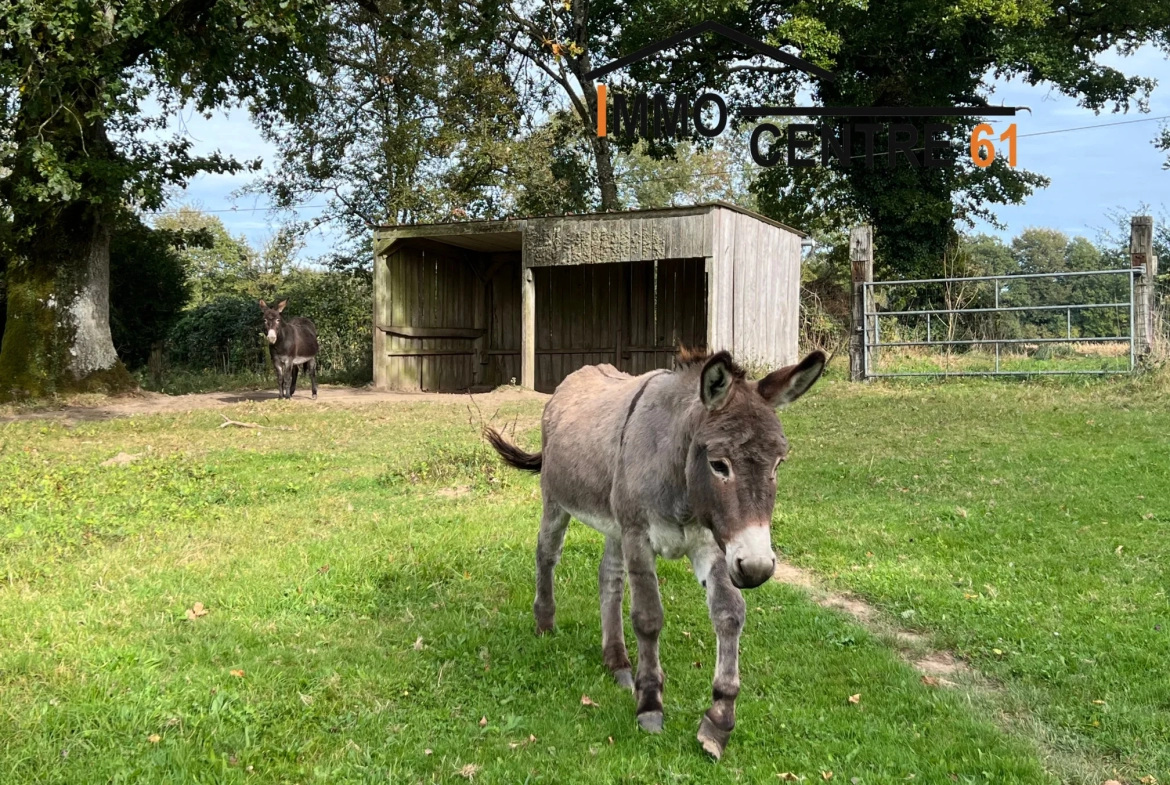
x=57, y=333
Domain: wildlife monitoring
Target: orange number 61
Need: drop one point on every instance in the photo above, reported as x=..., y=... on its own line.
x=982, y=149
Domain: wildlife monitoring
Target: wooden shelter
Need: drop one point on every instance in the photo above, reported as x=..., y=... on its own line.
x=477, y=304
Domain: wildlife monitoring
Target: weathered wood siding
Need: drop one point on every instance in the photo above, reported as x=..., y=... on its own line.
x=632, y=316
x=445, y=319
x=616, y=237
x=754, y=276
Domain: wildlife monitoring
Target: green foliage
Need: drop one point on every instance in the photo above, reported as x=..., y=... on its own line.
x=412, y=120
x=687, y=174
x=223, y=334
x=148, y=288
x=216, y=262
x=900, y=53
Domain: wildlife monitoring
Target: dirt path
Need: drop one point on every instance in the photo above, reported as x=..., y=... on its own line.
x=143, y=403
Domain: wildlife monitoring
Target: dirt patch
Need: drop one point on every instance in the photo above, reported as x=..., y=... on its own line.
x=454, y=492
x=122, y=458
x=913, y=647
x=145, y=403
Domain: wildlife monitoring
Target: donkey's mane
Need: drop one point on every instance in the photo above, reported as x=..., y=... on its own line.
x=688, y=358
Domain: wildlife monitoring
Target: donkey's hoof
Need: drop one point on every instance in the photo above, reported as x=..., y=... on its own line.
x=713, y=739
x=624, y=678
x=651, y=721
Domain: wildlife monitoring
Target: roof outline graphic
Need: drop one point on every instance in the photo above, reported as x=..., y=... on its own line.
x=720, y=29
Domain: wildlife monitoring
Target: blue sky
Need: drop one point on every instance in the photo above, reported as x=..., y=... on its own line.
x=1092, y=171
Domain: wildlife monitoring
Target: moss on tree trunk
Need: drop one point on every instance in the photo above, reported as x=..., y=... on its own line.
x=57, y=332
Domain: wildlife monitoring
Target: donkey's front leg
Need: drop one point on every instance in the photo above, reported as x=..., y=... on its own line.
x=728, y=611
x=611, y=580
x=646, y=615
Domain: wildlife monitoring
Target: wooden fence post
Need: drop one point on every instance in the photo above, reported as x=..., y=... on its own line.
x=1141, y=254
x=155, y=363
x=861, y=265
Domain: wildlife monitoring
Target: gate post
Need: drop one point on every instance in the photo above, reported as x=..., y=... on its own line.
x=861, y=268
x=1141, y=254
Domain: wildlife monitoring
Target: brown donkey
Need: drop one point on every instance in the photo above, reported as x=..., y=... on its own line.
x=292, y=344
x=670, y=463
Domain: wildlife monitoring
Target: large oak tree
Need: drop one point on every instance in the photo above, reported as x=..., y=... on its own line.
x=77, y=146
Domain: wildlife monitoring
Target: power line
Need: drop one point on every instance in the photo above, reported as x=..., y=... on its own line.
x=173, y=210
x=1098, y=125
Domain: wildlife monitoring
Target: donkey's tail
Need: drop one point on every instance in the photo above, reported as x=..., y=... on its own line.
x=513, y=455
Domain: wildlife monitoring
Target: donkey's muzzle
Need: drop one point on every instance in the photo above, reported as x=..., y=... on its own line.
x=750, y=573
x=750, y=560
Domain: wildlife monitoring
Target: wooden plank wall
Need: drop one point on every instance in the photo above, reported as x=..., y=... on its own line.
x=617, y=237
x=755, y=281
x=632, y=316
x=429, y=288
x=503, y=339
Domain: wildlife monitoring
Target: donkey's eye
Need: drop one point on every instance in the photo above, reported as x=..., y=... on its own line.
x=721, y=469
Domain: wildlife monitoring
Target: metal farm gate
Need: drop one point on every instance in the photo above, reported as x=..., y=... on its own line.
x=1053, y=323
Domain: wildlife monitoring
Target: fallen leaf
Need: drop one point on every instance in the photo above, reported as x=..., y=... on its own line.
x=239, y=674
x=697, y=664
x=855, y=699
x=469, y=771
x=826, y=775
x=611, y=739
x=1119, y=549
x=418, y=644
x=1099, y=703
x=427, y=752
x=1148, y=516
x=587, y=701
x=324, y=568
x=195, y=611
x=788, y=776
x=930, y=681
x=154, y=738
x=1149, y=779
x=306, y=699
x=483, y=722
x=1112, y=782
x=960, y=512
x=532, y=739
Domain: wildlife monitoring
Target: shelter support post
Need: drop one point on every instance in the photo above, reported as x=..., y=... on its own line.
x=861, y=267
x=527, y=329
x=1141, y=253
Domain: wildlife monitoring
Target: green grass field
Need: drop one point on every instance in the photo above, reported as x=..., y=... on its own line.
x=367, y=582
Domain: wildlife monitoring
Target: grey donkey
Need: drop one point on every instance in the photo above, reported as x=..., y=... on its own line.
x=669, y=463
x=292, y=343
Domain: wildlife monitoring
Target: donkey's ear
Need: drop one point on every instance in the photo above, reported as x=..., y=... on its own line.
x=280, y=306
x=789, y=383
x=716, y=380
x=263, y=304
